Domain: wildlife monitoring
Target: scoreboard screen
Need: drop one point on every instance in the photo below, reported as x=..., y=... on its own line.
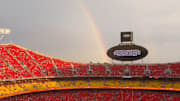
x=132, y=52
x=129, y=52
x=126, y=36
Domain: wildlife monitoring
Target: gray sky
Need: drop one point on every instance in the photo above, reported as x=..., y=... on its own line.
x=62, y=29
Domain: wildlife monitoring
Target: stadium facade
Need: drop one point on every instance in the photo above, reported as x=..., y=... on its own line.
x=30, y=76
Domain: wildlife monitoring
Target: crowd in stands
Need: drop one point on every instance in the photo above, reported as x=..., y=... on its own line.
x=17, y=63
x=98, y=95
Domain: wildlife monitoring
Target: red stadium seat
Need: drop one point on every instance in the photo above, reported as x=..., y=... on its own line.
x=20, y=63
x=117, y=70
x=98, y=70
x=64, y=67
x=97, y=95
x=45, y=63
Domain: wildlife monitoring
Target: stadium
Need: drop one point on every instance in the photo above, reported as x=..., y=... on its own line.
x=77, y=59
x=27, y=75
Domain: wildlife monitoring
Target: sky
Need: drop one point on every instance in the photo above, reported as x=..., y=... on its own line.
x=83, y=30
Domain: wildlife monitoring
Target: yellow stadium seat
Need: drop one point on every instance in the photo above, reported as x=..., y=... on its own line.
x=96, y=83
x=81, y=83
x=114, y=83
x=27, y=86
x=176, y=85
x=66, y=83
x=39, y=85
x=15, y=88
x=4, y=90
x=130, y=83
x=52, y=84
x=169, y=85
x=154, y=83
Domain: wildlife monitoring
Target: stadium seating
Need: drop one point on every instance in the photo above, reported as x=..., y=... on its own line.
x=98, y=95
x=27, y=86
x=98, y=70
x=82, y=70
x=173, y=84
x=117, y=70
x=97, y=83
x=175, y=68
x=4, y=90
x=15, y=88
x=133, y=83
x=24, y=70
x=45, y=63
x=154, y=83
x=157, y=70
x=64, y=68
x=39, y=85
x=26, y=61
x=52, y=84
x=114, y=83
x=136, y=70
x=81, y=83
x=66, y=84
x=8, y=88
x=17, y=63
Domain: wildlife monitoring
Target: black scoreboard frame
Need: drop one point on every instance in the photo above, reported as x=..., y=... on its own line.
x=110, y=52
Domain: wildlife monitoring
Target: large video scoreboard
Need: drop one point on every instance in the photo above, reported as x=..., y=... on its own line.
x=127, y=51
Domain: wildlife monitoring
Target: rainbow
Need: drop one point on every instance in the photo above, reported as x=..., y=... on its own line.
x=95, y=30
